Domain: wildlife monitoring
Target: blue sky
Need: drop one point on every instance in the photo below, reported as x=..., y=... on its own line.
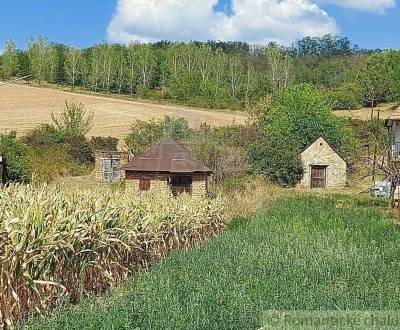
x=86, y=22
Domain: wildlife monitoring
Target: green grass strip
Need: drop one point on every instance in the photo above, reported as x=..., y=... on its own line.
x=303, y=253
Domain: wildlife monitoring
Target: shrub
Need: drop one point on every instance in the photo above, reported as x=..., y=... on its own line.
x=145, y=133
x=74, y=120
x=104, y=143
x=14, y=152
x=46, y=165
x=277, y=157
x=177, y=128
x=302, y=113
x=44, y=136
x=80, y=150
x=346, y=97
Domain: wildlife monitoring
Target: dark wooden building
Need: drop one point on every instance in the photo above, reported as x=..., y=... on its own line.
x=167, y=166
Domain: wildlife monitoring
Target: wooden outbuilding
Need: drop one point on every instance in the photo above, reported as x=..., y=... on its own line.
x=323, y=166
x=108, y=166
x=167, y=166
x=393, y=123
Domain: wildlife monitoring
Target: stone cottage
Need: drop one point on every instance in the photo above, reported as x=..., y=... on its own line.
x=167, y=166
x=324, y=167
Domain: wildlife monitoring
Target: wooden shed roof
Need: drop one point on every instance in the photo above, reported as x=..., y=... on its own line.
x=167, y=156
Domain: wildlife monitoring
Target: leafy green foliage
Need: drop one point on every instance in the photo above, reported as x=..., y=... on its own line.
x=14, y=152
x=61, y=148
x=303, y=113
x=74, y=120
x=46, y=165
x=291, y=120
x=145, y=133
x=346, y=97
x=80, y=150
x=304, y=253
x=208, y=74
x=108, y=143
x=277, y=157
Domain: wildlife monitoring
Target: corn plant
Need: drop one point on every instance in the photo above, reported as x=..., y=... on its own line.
x=58, y=242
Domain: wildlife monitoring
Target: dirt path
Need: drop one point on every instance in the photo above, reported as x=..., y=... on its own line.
x=23, y=107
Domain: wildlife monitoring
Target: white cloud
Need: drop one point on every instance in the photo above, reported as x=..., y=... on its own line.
x=254, y=21
x=378, y=6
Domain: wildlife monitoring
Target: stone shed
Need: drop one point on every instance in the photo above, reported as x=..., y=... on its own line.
x=324, y=167
x=167, y=166
x=108, y=166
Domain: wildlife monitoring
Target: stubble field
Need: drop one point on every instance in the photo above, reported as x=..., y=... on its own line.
x=23, y=107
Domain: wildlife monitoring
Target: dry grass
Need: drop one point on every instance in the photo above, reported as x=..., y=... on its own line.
x=23, y=107
x=386, y=109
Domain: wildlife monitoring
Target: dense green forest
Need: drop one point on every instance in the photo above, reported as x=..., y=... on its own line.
x=212, y=74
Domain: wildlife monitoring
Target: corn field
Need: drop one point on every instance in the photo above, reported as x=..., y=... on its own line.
x=64, y=243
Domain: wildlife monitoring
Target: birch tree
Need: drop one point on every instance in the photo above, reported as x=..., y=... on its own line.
x=132, y=67
x=234, y=74
x=95, y=74
x=37, y=54
x=52, y=63
x=146, y=62
x=280, y=66
x=9, y=64
x=73, y=64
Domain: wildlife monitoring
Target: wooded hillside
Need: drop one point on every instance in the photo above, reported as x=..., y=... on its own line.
x=212, y=74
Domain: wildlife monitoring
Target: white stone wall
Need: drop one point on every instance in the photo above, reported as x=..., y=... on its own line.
x=321, y=153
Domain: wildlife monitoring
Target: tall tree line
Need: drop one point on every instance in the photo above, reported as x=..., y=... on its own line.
x=221, y=74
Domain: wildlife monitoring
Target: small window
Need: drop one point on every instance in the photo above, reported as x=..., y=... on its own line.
x=144, y=184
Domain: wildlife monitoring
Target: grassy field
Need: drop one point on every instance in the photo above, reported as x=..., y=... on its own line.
x=23, y=107
x=300, y=253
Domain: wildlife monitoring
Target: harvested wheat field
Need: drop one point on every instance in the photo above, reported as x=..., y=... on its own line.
x=23, y=107
x=386, y=110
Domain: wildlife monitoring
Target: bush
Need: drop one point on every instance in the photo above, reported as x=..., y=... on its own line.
x=177, y=128
x=100, y=143
x=14, y=152
x=44, y=136
x=346, y=97
x=74, y=120
x=303, y=113
x=234, y=184
x=145, y=133
x=80, y=150
x=46, y=165
x=277, y=157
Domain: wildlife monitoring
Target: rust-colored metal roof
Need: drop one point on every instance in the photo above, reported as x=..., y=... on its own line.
x=167, y=156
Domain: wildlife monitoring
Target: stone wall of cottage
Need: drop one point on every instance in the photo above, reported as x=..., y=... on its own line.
x=159, y=182
x=100, y=155
x=322, y=154
x=199, y=184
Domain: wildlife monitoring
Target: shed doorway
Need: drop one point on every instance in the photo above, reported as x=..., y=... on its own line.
x=111, y=168
x=181, y=184
x=318, y=177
